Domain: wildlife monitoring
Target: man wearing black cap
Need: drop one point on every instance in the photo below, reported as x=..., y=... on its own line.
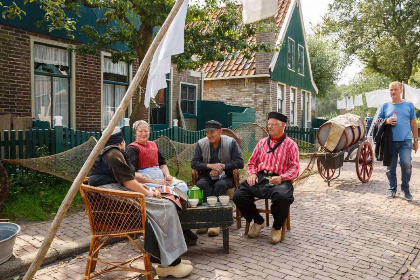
x=215, y=157
x=271, y=169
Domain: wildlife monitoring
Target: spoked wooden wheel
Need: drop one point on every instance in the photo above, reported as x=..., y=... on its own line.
x=364, y=162
x=325, y=173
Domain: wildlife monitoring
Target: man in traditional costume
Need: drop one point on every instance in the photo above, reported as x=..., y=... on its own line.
x=271, y=169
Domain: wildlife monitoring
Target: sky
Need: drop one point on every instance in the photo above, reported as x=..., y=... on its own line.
x=312, y=11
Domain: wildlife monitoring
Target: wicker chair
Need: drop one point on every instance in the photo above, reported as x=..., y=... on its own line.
x=114, y=214
x=236, y=180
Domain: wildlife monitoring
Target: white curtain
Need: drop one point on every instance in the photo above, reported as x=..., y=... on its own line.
x=119, y=95
x=50, y=55
x=108, y=104
x=358, y=100
x=119, y=68
x=61, y=99
x=42, y=92
x=412, y=94
x=350, y=105
x=111, y=101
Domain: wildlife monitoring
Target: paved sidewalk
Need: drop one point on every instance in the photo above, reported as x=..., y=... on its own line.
x=73, y=237
x=349, y=230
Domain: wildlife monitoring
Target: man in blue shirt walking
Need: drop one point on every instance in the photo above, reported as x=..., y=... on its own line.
x=400, y=114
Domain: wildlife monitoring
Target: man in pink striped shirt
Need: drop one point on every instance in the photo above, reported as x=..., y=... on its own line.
x=271, y=169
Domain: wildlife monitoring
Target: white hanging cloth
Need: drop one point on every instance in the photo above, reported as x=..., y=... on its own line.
x=51, y=55
x=172, y=44
x=358, y=100
x=119, y=68
x=375, y=99
x=412, y=94
x=255, y=10
x=350, y=105
x=341, y=104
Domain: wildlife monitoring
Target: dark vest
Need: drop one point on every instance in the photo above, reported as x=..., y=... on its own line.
x=100, y=174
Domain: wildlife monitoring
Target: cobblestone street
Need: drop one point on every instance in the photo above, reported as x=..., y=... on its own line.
x=349, y=230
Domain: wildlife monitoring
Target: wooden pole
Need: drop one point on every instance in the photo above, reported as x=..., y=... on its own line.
x=101, y=143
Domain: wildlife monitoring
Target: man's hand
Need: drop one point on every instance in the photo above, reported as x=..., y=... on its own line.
x=216, y=166
x=214, y=173
x=275, y=180
x=161, y=182
x=415, y=146
x=252, y=179
x=168, y=177
x=391, y=120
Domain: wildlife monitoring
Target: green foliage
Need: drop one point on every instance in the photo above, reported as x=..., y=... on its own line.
x=384, y=34
x=11, y=11
x=35, y=196
x=326, y=62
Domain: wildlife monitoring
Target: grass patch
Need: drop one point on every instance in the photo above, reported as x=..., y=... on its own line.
x=35, y=196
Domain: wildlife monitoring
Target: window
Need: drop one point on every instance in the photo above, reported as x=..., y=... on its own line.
x=291, y=54
x=51, y=82
x=301, y=60
x=308, y=107
x=280, y=98
x=159, y=108
x=115, y=83
x=292, y=106
x=188, y=98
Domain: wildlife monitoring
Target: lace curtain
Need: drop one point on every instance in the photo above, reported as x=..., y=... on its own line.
x=43, y=94
x=50, y=55
x=119, y=68
x=111, y=101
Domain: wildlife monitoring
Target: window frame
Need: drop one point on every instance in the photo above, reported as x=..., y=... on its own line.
x=291, y=65
x=283, y=101
x=114, y=83
x=33, y=40
x=301, y=54
x=188, y=85
x=309, y=109
x=294, y=106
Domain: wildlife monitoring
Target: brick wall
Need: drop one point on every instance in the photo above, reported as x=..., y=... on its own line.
x=263, y=59
x=15, y=79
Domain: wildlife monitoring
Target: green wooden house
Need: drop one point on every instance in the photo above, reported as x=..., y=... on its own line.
x=279, y=81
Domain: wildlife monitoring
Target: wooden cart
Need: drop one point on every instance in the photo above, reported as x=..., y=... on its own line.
x=328, y=162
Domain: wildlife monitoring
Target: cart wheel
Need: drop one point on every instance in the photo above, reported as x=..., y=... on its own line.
x=364, y=162
x=325, y=173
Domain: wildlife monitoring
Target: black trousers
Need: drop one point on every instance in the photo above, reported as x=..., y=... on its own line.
x=214, y=187
x=281, y=197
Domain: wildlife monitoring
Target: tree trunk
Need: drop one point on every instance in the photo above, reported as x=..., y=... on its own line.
x=140, y=112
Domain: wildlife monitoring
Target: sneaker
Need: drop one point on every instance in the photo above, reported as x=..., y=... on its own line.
x=390, y=194
x=408, y=196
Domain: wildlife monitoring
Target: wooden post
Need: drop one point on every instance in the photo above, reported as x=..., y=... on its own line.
x=101, y=143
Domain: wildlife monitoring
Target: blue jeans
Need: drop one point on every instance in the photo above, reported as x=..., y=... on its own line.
x=403, y=150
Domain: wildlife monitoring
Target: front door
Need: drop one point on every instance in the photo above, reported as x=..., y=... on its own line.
x=159, y=110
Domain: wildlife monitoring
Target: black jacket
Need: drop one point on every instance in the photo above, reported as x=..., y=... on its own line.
x=382, y=135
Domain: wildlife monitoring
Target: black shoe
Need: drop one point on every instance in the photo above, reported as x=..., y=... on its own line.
x=190, y=234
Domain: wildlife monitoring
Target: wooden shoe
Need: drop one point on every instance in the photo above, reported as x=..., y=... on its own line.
x=179, y=271
x=275, y=236
x=214, y=231
x=255, y=229
x=202, y=230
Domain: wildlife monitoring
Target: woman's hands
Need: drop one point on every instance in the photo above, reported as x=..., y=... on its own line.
x=161, y=182
x=168, y=177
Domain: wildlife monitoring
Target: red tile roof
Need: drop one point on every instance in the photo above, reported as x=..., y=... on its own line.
x=236, y=64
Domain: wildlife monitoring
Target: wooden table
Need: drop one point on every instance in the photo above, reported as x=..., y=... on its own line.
x=205, y=216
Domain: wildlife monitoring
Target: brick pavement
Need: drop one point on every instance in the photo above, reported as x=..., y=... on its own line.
x=346, y=231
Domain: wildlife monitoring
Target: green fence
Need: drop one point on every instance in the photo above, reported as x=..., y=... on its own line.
x=176, y=134
x=35, y=142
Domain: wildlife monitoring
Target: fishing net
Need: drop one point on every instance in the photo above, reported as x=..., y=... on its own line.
x=65, y=165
